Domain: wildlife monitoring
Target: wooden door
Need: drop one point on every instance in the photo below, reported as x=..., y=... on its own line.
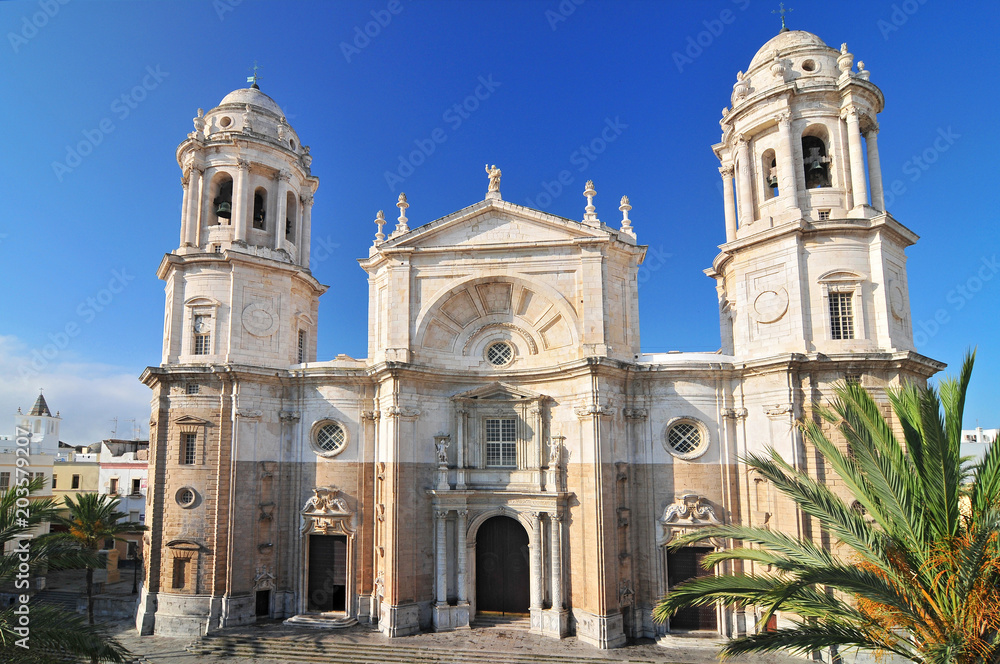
x=502, y=579
x=682, y=565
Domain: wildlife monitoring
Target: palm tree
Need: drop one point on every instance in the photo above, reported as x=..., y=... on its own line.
x=923, y=576
x=53, y=634
x=93, y=519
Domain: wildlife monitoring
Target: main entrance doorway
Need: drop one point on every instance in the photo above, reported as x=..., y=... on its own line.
x=502, y=581
x=682, y=565
x=327, y=572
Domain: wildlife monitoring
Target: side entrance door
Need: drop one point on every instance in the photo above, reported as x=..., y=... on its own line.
x=327, y=572
x=502, y=581
x=682, y=565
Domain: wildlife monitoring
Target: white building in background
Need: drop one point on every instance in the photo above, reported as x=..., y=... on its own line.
x=123, y=472
x=975, y=442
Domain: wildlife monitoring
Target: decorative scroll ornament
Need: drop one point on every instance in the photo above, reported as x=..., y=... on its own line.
x=686, y=514
x=263, y=579
x=326, y=513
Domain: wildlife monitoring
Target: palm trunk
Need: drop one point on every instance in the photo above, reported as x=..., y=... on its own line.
x=90, y=595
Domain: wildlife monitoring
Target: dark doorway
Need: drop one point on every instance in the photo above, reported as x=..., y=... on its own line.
x=682, y=565
x=263, y=609
x=327, y=572
x=502, y=583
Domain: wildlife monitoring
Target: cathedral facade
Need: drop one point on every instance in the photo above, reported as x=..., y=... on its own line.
x=506, y=446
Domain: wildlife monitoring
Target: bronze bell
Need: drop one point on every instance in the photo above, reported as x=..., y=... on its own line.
x=772, y=181
x=816, y=166
x=225, y=210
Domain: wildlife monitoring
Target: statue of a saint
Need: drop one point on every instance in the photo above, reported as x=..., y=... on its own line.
x=494, y=174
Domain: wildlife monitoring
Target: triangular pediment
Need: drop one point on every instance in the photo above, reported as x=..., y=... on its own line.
x=499, y=392
x=190, y=420
x=496, y=222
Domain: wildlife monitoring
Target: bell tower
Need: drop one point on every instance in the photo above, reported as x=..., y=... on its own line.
x=812, y=261
x=238, y=286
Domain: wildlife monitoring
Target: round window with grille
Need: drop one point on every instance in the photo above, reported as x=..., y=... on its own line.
x=186, y=497
x=329, y=438
x=500, y=354
x=686, y=439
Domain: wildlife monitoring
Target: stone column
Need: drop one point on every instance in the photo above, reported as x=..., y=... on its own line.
x=745, y=202
x=786, y=163
x=460, y=452
x=196, y=195
x=461, y=526
x=728, y=201
x=441, y=553
x=556, y=521
x=536, y=560
x=240, y=210
x=185, y=208
x=857, y=158
x=874, y=168
x=306, y=232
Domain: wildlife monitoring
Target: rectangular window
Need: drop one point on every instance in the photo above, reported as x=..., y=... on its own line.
x=852, y=378
x=188, y=448
x=202, y=343
x=133, y=516
x=135, y=486
x=75, y=484
x=191, y=388
x=4, y=481
x=180, y=571
x=824, y=215
x=501, y=443
x=55, y=480
x=113, y=486
x=302, y=346
x=841, y=315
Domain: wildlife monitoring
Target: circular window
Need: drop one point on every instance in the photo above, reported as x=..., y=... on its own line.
x=330, y=438
x=500, y=354
x=809, y=65
x=226, y=121
x=686, y=439
x=185, y=497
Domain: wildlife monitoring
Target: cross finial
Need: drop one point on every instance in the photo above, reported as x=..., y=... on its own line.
x=253, y=79
x=782, y=11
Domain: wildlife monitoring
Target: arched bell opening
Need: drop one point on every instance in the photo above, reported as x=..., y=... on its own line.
x=769, y=170
x=290, y=216
x=222, y=200
x=260, y=208
x=815, y=157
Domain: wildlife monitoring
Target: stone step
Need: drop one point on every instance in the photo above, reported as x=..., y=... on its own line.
x=515, y=621
x=335, y=650
x=62, y=599
x=322, y=621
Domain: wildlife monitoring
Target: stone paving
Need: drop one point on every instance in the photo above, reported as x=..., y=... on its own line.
x=686, y=650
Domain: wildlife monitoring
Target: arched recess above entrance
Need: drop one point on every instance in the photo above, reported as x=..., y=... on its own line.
x=523, y=518
x=464, y=312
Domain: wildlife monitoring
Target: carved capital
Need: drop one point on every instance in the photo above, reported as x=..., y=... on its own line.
x=778, y=410
x=243, y=164
x=726, y=171
x=594, y=410
x=849, y=113
x=785, y=120
x=401, y=411
x=462, y=514
x=373, y=415
x=288, y=416
x=440, y=514
x=635, y=413
x=307, y=199
x=871, y=130
x=284, y=176
x=735, y=413
x=249, y=413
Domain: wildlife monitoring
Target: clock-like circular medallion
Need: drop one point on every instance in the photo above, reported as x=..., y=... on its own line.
x=770, y=305
x=897, y=301
x=259, y=320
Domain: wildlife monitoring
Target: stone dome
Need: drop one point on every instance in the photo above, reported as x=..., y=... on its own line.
x=254, y=97
x=785, y=41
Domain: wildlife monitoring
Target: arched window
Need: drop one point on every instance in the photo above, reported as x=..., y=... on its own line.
x=260, y=208
x=769, y=169
x=815, y=160
x=290, y=207
x=222, y=203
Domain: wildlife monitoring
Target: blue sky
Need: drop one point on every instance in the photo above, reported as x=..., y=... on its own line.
x=81, y=237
